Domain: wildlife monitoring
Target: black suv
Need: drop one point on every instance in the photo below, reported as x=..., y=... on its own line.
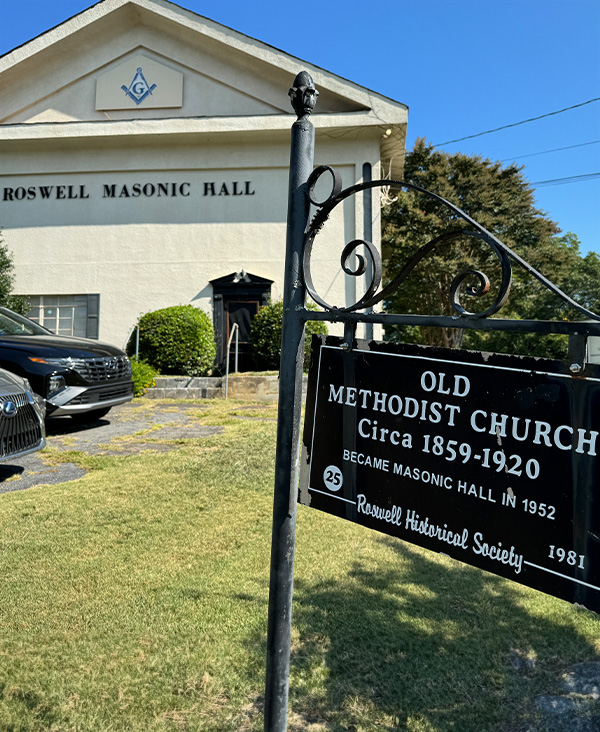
x=76, y=376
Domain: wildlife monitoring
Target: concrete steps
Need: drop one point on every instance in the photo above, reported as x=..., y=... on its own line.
x=255, y=387
x=187, y=387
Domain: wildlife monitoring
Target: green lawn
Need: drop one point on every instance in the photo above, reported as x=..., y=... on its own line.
x=134, y=600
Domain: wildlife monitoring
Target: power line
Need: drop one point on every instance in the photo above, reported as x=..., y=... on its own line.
x=570, y=179
x=516, y=124
x=556, y=149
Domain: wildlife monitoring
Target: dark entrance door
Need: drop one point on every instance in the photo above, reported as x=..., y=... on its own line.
x=241, y=312
x=237, y=298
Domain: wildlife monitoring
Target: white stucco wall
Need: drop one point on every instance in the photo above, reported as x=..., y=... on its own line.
x=95, y=219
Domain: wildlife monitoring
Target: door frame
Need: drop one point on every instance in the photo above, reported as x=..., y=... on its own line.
x=235, y=287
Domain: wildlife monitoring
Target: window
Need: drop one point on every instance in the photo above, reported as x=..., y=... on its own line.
x=69, y=315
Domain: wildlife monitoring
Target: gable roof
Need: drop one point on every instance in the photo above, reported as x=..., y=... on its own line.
x=232, y=81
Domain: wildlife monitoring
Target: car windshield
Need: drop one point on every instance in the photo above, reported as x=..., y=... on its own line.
x=13, y=324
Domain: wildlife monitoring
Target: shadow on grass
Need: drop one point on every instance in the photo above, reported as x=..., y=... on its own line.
x=420, y=646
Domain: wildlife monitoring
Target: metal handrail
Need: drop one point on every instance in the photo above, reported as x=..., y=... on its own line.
x=135, y=327
x=234, y=330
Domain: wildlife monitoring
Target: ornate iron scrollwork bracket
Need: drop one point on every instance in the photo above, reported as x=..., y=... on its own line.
x=474, y=283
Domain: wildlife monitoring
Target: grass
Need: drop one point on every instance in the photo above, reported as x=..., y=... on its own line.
x=135, y=600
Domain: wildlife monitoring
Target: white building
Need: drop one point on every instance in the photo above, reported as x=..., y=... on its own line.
x=144, y=156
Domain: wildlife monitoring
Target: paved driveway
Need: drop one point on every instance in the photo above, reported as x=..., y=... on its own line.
x=142, y=422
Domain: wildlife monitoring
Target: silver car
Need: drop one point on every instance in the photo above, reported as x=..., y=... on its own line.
x=22, y=415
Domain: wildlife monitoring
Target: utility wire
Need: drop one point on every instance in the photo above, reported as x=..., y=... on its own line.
x=516, y=124
x=556, y=149
x=570, y=179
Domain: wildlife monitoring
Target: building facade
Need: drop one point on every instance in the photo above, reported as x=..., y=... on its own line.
x=144, y=156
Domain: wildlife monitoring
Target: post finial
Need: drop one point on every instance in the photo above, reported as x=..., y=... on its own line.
x=303, y=94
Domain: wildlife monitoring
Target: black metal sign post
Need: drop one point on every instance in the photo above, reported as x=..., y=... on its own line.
x=516, y=439
x=303, y=96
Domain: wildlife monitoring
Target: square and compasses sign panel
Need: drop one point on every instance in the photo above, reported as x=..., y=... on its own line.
x=488, y=458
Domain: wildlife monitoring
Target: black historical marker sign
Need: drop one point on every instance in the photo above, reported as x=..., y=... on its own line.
x=490, y=459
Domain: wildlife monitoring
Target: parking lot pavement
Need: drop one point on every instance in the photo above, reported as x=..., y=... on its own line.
x=126, y=430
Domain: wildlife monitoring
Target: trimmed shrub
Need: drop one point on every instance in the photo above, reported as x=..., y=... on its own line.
x=265, y=336
x=144, y=377
x=176, y=340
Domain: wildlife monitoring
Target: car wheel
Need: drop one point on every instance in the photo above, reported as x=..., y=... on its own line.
x=91, y=416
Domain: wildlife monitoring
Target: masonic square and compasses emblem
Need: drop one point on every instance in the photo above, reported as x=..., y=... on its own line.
x=138, y=89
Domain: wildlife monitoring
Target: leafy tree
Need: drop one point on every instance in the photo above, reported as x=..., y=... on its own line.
x=583, y=279
x=18, y=303
x=501, y=200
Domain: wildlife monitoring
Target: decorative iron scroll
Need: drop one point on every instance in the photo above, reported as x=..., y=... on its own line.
x=373, y=294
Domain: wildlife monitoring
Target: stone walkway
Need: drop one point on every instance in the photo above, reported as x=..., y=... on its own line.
x=146, y=426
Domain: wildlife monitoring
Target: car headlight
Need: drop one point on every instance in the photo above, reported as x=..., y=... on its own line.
x=55, y=384
x=66, y=363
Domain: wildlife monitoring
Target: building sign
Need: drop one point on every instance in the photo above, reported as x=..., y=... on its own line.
x=490, y=459
x=139, y=189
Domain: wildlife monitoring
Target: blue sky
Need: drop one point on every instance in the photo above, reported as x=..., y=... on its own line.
x=462, y=67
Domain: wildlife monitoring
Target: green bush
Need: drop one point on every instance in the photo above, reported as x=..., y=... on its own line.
x=18, y=304
x=144, y=377
x=176, y=340
x=265, y=336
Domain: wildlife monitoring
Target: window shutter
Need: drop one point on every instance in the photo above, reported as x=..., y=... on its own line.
x=93, y=316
